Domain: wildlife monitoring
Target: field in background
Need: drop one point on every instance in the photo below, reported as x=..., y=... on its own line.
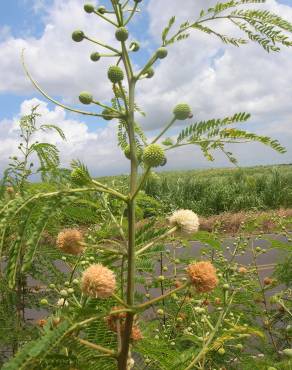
x=210, y=192
x=213, y=191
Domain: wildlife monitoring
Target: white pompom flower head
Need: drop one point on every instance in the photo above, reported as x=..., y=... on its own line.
x=186, y=220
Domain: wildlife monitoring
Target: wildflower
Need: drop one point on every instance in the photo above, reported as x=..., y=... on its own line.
x=78, y=35
x=186, y=220
x=62, y=302
x=287, y=352
x=154, y=155
x=122, y=34
x=130, y=363
x=177, y=283
x=221, y=351
x=41, y=322
x=268, y=281
x=69, y=241
x=10, y=190
x=98, y=281
x=89, y=8
x=64, y=292
x=115, y=74
x=95, y=56
x=182, y=111
x=203, y=276
x=161, y=53
x=85, y=97
x=136, y=333
x=242, y=270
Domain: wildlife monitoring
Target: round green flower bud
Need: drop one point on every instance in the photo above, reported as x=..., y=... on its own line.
x=115, y=74
x=78, y=35
x=153, y=155
x=89, y=8
x=95, y=57
x=101, y=9
x=160, y=311
x=78, y=177
x=75, y=281
x=274, y=299
x=150, y=73
x=226, y=287
x=182, y=111
x=44, y=302
x=221, y=351
x=52, y=286
x=127, y=152
x=161, y=53
x=67, y=283
x=161, y=278
x=289, y=329
x=63, y=293
x=70, y=290
x=122, y=34
x=134, y=46
x=287, y=352
x=85, y=97
x=107, y=114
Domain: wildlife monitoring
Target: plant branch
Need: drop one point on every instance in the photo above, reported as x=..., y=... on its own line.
x=56, y=102
x=106, y=18
x=97, y=347
x=149, y=245
x=144, y=305
x=164, y=130
x=102, y=45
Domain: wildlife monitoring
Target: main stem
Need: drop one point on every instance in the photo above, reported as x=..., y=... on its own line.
x=123, y=356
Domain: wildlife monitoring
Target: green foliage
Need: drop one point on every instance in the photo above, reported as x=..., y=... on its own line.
x=198, y=320
x=20, y=168
x=37, y=349
x=209, y=192
x=267, y=29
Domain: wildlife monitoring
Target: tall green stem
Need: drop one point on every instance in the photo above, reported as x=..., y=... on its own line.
x=123, y=356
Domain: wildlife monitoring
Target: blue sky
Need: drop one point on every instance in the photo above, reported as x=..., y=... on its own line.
x=27, y=19
x=216, y=80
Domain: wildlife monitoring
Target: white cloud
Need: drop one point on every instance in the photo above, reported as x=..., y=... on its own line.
x=61, y=66
x=215, y=79
x=97, y=149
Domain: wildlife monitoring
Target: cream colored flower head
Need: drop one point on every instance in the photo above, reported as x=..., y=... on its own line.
x=98, y=281
x=186, y=220
x=62, y=302
x=69, y=241
x=203, y=276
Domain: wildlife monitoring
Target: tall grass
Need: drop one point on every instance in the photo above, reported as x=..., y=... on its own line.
x=214, y=191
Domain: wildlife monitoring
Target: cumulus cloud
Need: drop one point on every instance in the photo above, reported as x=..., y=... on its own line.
x=61, y=66
x=213, y=78
x=96, y=148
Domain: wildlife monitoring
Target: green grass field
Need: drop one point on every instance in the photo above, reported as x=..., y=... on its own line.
x=213, y=191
